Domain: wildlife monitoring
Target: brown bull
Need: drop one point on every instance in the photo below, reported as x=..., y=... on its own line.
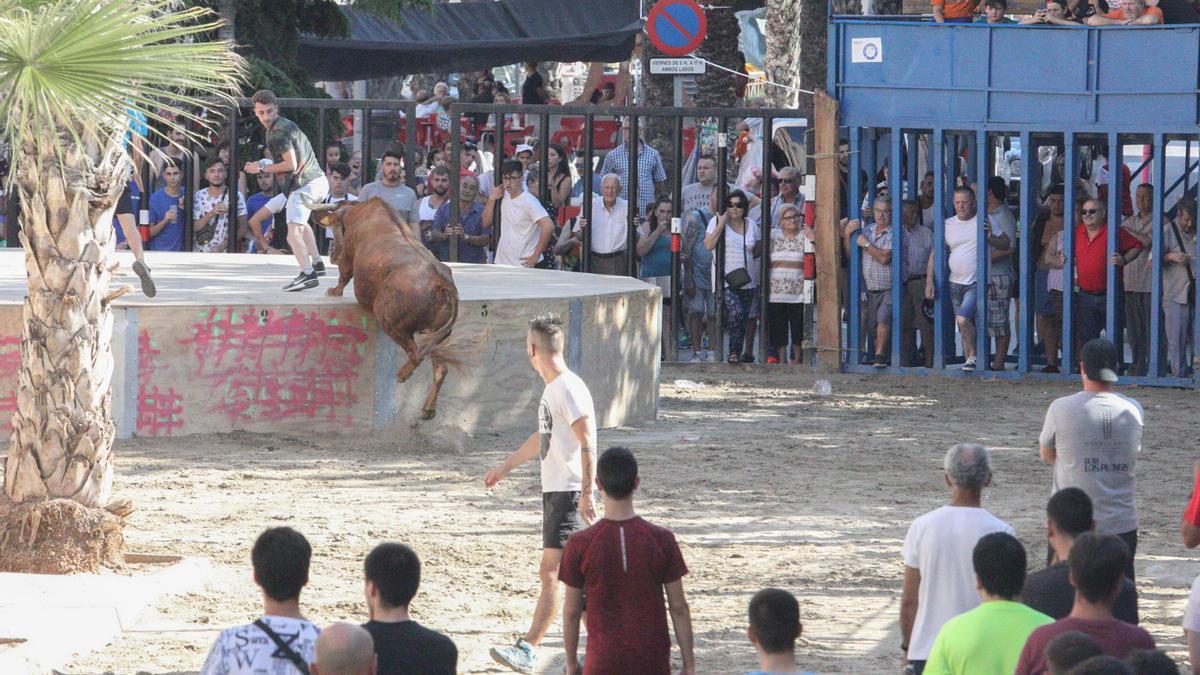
x=398, y=280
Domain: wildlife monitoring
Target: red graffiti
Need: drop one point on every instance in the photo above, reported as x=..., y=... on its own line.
x=10, y=366
x=159, y=413
x=270, y=367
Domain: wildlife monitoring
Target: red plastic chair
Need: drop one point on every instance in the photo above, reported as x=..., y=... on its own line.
x=567, y=213
x=605, y=134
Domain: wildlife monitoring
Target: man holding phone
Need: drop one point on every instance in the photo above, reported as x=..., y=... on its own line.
x=166, y=210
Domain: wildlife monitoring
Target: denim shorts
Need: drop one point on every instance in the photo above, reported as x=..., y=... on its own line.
x=962, y=297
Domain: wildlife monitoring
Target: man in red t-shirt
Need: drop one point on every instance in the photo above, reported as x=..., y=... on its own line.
x=1097, y=571
x=1091, y=269
x=623, y=563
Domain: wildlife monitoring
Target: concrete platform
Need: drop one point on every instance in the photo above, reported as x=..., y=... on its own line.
x=222, y=348
x=46, y=620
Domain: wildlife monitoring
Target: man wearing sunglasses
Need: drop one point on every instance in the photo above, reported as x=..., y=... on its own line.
x=789, y=193
x=1091, y=269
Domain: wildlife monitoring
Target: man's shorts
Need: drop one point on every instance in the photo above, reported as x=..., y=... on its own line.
x=962, y=298
x=560, y=518
x=702, y=302
x=124, y=202
x=879, y=307
x=1041, y=296
x=999, y=293
x=914, y=305
x=312, y=193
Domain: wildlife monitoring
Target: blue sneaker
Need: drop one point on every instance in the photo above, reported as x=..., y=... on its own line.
x=521, y=657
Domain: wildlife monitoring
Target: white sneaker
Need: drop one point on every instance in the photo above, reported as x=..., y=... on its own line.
x=969, y=365
x=521, y=657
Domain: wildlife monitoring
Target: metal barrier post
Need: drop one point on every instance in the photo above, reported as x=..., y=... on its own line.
x=1158, y=259
x=912, y=180
x=231, y=183
x=982, y=251
x=896, y=197
x=189, y=170
x=676, y=238
x=634, y=207
x=938, y=155
x=1070, y=163
x=368, y=167
x=12, y=219
x=455, y=179
x=497, y=178
x=719, y=251
x=854, y=211
x=588, y=178
x=410, y=136
x=765, y=228
x=544, y=158
x=1112, y=272
x=1028, y=267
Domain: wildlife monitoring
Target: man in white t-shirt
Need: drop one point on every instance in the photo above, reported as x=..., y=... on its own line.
x=962, y=240
x=939, y=574
x=282, y=639
x=438, y=182
x=525, y=227
x=566, y=442
x=1092, y=439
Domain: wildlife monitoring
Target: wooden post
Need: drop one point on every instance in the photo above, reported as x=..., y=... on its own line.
x=829, y=311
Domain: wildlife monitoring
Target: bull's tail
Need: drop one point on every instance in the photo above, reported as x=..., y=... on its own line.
x=434, y=344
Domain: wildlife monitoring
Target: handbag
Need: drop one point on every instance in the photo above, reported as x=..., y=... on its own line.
x=1191, y=292
x=741, y=276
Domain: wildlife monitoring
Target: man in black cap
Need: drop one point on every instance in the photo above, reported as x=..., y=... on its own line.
x=1092, y=439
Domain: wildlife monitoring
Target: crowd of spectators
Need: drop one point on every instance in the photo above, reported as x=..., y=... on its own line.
x=967, y=604
x=1071, y=12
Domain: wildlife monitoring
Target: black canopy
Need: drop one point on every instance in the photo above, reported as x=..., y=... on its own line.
x=474, y=36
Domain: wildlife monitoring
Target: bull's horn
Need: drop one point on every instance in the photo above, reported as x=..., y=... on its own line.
x=321, y=208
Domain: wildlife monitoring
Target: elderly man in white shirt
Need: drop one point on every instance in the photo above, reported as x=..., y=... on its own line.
x=610, y=228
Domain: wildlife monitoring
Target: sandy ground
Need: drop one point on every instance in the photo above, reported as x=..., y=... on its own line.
x=765, y=484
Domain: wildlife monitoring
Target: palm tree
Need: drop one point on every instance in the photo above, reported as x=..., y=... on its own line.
x=73, y=76
x=782, y=61
x=718, y=88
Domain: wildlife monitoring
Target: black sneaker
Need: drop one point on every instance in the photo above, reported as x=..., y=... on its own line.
x=1051, y=369
x=747, y=358
x=303, y=281
x=143, y=273
x=881, y=361
x=319, y=268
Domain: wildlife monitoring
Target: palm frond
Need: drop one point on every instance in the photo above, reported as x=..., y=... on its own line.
x=82, y=68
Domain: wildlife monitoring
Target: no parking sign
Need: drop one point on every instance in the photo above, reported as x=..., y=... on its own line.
x=676, y=27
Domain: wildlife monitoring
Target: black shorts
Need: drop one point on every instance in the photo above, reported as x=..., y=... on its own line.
x=560, y=518
x=124, y=202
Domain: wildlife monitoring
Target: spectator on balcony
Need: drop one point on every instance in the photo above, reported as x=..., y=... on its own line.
x=1001, y=232
x=955, y=11
x=1091, y=269
x=696, y=195
x=1179, y=286
x=167, y=211
x=1054, y=13
x=468, y=159
x=1131, y=13
x=609, y=221
x=651, y=175
x=918, y=244
x=993, y=12
x=558, y=178
x=1137, y=276
x=174, y=150
x=267, y=189
x=925, y=200
x=334, y=152
x=1176, y=11
x=425, y=210
x=427, y=105
x=743, y=245
x=533, y=90
x=789, y=193
x=875, y=240
x=1047, y=232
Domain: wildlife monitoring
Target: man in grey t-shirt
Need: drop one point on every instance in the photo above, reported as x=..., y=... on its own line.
x=390, y=187
x=1092, y=439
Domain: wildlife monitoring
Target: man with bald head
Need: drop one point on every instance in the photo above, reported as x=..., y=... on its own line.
x=344, y=649
x=610, y=228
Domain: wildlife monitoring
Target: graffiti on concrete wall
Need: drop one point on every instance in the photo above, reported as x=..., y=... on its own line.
x=160, y=412
x=269, y=366
x=10, y=366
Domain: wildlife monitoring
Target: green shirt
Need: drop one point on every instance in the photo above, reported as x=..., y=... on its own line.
x=284, y=135
x=984, y=641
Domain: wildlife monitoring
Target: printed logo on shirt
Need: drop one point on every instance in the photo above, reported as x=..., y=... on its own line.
x=545, y=427
x=1094, y=465
x=1108, y=429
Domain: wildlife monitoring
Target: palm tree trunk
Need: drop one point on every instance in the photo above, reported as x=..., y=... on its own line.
x=227, y=10
x=59, y=474
x=814, y=20
x=782, y=62
x=718, y=88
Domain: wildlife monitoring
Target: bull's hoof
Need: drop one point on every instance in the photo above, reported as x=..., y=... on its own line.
x=333, y=292
x=428, y=414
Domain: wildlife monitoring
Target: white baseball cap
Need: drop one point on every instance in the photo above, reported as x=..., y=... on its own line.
x=523, y=147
